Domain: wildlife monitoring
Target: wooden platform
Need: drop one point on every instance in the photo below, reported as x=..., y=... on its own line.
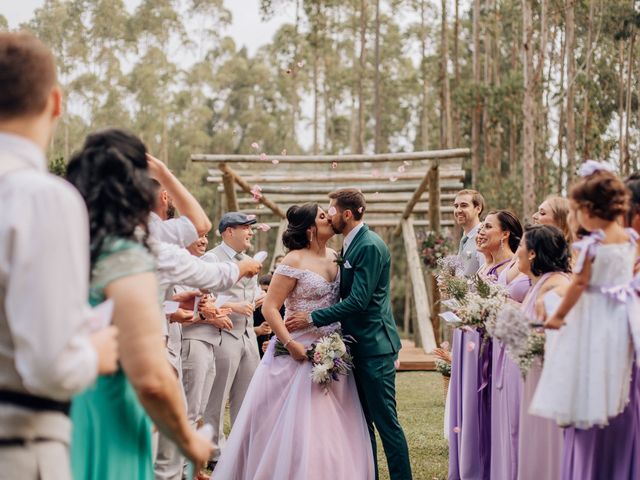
x=413, y=358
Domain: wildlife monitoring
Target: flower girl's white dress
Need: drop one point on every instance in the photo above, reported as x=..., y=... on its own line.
x=586, y=374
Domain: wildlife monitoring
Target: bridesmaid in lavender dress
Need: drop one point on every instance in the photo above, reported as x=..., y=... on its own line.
x=544, y=257
x=288, y=427
x=469, y=415
x=504, y=231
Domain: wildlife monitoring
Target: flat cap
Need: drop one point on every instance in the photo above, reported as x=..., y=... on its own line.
x=234, y=219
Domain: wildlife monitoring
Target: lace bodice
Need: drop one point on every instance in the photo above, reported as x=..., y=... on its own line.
x=312, y=291
x=612, y=263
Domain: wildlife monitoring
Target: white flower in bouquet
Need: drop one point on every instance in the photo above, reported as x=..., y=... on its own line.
x=511, y=327
x=329, y=363
x=320, y=373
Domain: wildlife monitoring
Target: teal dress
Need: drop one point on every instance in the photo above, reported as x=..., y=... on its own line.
x=111, y=437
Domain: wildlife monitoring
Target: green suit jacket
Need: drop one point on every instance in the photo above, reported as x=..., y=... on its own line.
x=365, y=309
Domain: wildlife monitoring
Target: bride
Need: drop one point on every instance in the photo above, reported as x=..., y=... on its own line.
x=288, y=427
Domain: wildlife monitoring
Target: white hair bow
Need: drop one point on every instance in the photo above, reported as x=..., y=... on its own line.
x=591, y=166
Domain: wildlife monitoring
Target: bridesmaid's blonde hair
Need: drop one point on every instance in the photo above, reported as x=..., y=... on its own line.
x=560, y=211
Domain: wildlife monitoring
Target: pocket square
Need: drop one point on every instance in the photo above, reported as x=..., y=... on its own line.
x=347, y=264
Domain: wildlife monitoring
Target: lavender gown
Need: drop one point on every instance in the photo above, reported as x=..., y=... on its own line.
x=506, y=392
x=470, y=405
x=287, y=427
x=539, y=439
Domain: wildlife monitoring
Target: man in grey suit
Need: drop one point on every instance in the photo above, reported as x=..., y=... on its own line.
x=235, y=351
x=467, y=208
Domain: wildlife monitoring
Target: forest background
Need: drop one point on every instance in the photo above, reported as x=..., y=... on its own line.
x=532, y=87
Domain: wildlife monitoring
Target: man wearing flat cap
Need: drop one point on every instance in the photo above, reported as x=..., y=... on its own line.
x=235, y=351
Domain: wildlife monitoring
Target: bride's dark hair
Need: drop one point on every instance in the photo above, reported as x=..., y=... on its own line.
x=111, y=174
x=300, y=218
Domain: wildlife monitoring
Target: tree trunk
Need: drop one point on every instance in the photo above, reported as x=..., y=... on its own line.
x=621, y=102
x=445, y=98
x=513, y=124
x=571, y=86
x=376, y=85
x=626, y=170
x=424, y=117
x=456, y=72
x=487, y=128
x=528, y=111
x=361, y=70
x=475, y=123
x=586, y=114
x=316, y=102
x=561, y=126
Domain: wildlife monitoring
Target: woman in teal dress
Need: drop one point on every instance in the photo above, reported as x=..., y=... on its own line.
x=111, y=437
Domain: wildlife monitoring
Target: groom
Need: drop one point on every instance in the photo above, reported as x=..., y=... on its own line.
x=365, y=314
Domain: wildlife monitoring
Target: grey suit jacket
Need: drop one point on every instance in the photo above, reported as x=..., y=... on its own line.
x=468, y=254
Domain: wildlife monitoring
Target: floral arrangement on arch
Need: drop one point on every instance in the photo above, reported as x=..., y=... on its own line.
x=434, y=247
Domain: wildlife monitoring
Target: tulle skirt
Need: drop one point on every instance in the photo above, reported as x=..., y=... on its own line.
x=289, y=428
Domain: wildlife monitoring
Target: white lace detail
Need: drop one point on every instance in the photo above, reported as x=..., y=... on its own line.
x=312, y=291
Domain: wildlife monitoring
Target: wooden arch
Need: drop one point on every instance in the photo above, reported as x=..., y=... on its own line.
x=394, y=185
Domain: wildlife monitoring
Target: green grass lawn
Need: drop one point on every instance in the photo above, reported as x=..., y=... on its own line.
x=421, y=410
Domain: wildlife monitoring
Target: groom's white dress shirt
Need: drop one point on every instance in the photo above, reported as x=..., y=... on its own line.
x=44, y=277
x=350, y=236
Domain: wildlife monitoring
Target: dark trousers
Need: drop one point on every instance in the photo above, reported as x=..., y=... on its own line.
x=376, y=381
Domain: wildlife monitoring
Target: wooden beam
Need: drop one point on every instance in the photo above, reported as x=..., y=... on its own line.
x=342, y=177
x=292, y=198
x=229, y=188
x=366, y=188
x=434, y=198
x=278, y=248
x=422, y=208
x=385, y=223
x=409, y=207
x=424, y=335
x=247, y=188
x=298, y=159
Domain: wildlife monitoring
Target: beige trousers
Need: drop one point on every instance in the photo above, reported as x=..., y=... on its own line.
x=35, y=461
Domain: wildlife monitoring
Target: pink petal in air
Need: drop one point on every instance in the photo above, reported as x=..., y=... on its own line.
x=334, y=165
x=332, y=211
x=255, y=146
x=275, y=161
x=263, y=156
x=393, y=178
x=456, y=429
x=471, y=346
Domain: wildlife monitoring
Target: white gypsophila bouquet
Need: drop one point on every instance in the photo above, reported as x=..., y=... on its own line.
x=523, y=342
x=451, y=283
x=481, y=305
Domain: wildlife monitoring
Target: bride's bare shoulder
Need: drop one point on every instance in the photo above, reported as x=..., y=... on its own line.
x=293, y=258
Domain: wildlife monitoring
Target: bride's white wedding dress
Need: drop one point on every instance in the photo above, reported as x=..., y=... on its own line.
x=288, y=428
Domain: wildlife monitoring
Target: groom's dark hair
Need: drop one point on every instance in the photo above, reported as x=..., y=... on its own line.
x=350, y=199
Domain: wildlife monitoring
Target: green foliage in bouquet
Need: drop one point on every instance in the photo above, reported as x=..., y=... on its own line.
x=58, y=167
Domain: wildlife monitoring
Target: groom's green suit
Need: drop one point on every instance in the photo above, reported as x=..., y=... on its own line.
x=365, y=314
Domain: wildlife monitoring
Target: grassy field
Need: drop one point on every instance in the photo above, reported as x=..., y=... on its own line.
x=421, y=409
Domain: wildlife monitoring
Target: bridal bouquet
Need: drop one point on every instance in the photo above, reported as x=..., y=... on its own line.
x=481, y=305
x=451, y=283
x=329, y=356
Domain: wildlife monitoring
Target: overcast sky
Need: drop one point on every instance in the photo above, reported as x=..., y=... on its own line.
x=247, y=27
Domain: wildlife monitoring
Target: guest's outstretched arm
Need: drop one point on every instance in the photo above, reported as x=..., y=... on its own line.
x=186, y=203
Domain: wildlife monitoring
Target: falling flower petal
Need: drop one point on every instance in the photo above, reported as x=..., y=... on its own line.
x=235, y=132
x=334, y=165
x=284, y=152
x=255, y=146
x=456, y=429
x=251, y=217
x=393, y=178
x=361, y=209
x=471, y=346
x=332, y=211
x=401, y=168
x=396, y=363
x=256, y=191
x=263, y=227
x=444, y=345
x=275, y=161
x=263, y=156
x=375, y=173
x=300, y=64
x=406, y=163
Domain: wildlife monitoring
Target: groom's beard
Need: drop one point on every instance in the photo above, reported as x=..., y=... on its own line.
x=338, y=225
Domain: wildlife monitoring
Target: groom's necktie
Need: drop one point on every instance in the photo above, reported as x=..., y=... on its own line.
x=463, y=242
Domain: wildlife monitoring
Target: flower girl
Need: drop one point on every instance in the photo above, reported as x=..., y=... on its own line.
x=586, y=375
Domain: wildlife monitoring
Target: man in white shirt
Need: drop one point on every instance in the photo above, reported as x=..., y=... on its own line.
x=236, y=350
x=46, y=353
x=467, y=208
